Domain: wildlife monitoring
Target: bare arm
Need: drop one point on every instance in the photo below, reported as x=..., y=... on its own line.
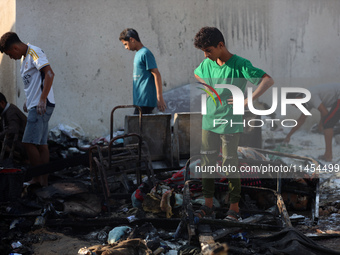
x=199, y=79
x=265, y=83
x=49, y=76
x=300, y=122
x=158, y=82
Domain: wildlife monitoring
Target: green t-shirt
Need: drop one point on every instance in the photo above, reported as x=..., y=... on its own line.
x=236, y=71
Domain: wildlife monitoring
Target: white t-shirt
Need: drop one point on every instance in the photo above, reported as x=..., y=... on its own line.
x=33, y=79
x=328, y=94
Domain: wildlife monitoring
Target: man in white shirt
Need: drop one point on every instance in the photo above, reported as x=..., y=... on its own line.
x=37, y=76
x=325, y=98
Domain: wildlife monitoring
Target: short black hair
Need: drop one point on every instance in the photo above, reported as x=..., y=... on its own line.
x=208, y=36
x=3, y=98
x=7, y=40
x=127, y=33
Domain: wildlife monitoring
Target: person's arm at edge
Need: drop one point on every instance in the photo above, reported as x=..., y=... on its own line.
x=3, y=132
x=323, y=111
x=158, y=82
x=300, y=122
x=49, y=76
x=13, y=123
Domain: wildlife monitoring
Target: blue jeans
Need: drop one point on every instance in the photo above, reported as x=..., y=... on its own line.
x=36, y=131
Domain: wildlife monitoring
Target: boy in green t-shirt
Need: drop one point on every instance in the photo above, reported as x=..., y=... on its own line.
x=223, y=67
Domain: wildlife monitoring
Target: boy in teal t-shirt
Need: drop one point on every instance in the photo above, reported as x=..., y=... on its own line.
x=222, y=67
x=144, y=89
x=147, y=81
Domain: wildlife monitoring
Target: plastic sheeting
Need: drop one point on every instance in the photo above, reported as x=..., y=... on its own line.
x=290, y=241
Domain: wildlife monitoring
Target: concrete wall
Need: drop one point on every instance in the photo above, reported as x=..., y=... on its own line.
x=296, y=42
x=7, y=66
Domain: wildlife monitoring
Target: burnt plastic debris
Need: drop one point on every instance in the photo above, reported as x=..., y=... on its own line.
x=139, y=194
x=117, y=233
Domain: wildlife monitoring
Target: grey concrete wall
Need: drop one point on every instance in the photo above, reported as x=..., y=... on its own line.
x=295, y=41
x=7, y=66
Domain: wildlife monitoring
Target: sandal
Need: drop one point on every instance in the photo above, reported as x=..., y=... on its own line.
x=233, y=216
x=204, y=211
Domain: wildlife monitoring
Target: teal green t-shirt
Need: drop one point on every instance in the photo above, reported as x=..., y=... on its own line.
x=236, y=71
x=144, y=88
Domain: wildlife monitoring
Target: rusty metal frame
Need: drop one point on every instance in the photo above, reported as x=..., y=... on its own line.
x=315, y=210
x=125, y=106
x=207, y=240
x=188, y=218
x=104, y=160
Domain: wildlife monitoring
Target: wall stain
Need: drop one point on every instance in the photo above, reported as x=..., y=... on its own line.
x=97, y=74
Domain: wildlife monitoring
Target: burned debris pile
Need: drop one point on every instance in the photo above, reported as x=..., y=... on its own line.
x=114, y=199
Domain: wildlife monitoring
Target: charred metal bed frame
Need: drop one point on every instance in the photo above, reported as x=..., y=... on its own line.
x=116, y=162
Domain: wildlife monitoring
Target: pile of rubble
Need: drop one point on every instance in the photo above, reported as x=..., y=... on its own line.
x=119, y=215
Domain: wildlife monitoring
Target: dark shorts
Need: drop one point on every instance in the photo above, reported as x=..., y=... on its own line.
x=36, y=131
x=145, y=110
x=333, y=116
